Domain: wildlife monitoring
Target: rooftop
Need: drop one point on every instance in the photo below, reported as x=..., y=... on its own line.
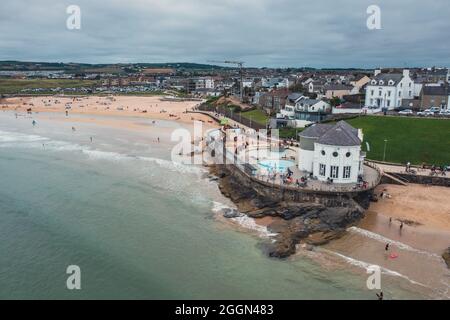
x=340, y=134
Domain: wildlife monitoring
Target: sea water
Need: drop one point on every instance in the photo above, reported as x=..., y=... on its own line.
x=137, y=225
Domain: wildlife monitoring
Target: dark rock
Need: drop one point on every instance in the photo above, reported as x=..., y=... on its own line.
x=446, y=257
x=312, y=223
x=230, y=213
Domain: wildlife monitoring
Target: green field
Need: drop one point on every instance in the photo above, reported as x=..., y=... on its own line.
x=409, y=139
x=16, y=85
x=256, y=116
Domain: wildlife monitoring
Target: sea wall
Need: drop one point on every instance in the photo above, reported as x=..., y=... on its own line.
x=300, y=216
x=435, y=181
x=279, y=193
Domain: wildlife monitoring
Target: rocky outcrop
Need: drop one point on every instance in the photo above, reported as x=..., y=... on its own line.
x=446, y=257
x=311, y=223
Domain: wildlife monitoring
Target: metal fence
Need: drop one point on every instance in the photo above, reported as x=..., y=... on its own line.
x=236, y=116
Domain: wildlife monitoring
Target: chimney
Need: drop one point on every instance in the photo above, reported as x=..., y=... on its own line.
x=377, y=72
x=360, y=135
x=406, y=73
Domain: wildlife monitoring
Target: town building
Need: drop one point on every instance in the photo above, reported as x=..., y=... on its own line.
x=272, y=102
x=336, y=90
x=435, y=96
x=359, y=82
x=332, y=152
x=387, y=90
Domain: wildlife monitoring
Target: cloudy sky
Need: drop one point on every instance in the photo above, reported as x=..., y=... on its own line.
x=279, y=33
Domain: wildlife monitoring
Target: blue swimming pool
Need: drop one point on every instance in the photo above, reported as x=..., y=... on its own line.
x=276, y=165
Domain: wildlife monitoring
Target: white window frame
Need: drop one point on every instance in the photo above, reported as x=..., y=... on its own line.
x=347, y=172
x=322, y=170
x=334, y=172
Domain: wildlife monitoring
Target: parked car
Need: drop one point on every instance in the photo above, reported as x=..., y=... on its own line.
x=406, y=112
x=434, y=109
x=425, y=113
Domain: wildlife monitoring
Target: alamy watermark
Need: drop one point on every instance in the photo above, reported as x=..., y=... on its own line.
x=73, y=21
x=374, y=20
x=374, y=280
x=73, y=282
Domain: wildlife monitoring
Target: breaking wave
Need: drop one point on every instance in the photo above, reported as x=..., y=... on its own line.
x=366, y=266
x=398, y=244
x=244, y=221
x=14, y=139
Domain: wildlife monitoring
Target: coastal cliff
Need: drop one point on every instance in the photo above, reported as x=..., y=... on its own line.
x=314, y=221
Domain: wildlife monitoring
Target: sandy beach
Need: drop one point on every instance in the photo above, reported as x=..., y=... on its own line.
x=151, y=107
x=417, y=205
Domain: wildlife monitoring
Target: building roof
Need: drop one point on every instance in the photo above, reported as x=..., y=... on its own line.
x=337, y=86
x=315, y=131
x=295, y=96
x=385, y=77
x=435, y=91
x=309, y=102
x=340, y=134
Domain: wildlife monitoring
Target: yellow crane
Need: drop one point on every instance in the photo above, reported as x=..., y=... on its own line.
x=240, y=64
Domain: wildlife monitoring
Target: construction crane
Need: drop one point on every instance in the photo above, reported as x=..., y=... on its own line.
x=240, y=64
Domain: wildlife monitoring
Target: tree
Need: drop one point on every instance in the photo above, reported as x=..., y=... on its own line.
x=297, y=87
x=335, y=101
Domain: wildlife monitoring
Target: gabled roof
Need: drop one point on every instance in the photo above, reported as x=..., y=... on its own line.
x=386, y=77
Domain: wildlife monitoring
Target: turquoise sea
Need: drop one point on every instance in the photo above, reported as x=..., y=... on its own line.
x=137, y=225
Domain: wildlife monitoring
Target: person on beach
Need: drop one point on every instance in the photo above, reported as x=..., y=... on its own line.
x=73, y=129
x=387, y=247
x=158, y=140
x=390, y=220
x=91, y=139
x=401, y=225
x=34, y=123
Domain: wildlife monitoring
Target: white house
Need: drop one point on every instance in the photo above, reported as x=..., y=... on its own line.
x=302, y=111
x=332, y=152
x=386, y=90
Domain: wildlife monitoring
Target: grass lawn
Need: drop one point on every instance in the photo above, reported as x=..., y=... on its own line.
x=288, y=133
x=409, y=139
x=256, y=116
x=15, y=85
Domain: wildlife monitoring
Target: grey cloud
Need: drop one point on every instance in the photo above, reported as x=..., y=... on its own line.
x=321, y=33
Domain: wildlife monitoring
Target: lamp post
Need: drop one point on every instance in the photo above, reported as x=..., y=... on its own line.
x=384, y=153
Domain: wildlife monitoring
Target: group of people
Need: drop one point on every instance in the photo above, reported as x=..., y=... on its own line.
x=438, y=170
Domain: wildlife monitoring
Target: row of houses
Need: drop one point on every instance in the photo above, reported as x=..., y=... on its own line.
x=383, y=91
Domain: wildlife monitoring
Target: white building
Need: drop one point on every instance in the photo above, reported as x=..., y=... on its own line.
x=302, y=111
x=386, y=90
x=332, y=152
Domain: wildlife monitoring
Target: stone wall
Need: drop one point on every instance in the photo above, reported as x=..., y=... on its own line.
x=279, y=193
x=435, y=181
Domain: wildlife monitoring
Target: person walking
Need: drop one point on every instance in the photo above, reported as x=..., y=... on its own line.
x=380, y=295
